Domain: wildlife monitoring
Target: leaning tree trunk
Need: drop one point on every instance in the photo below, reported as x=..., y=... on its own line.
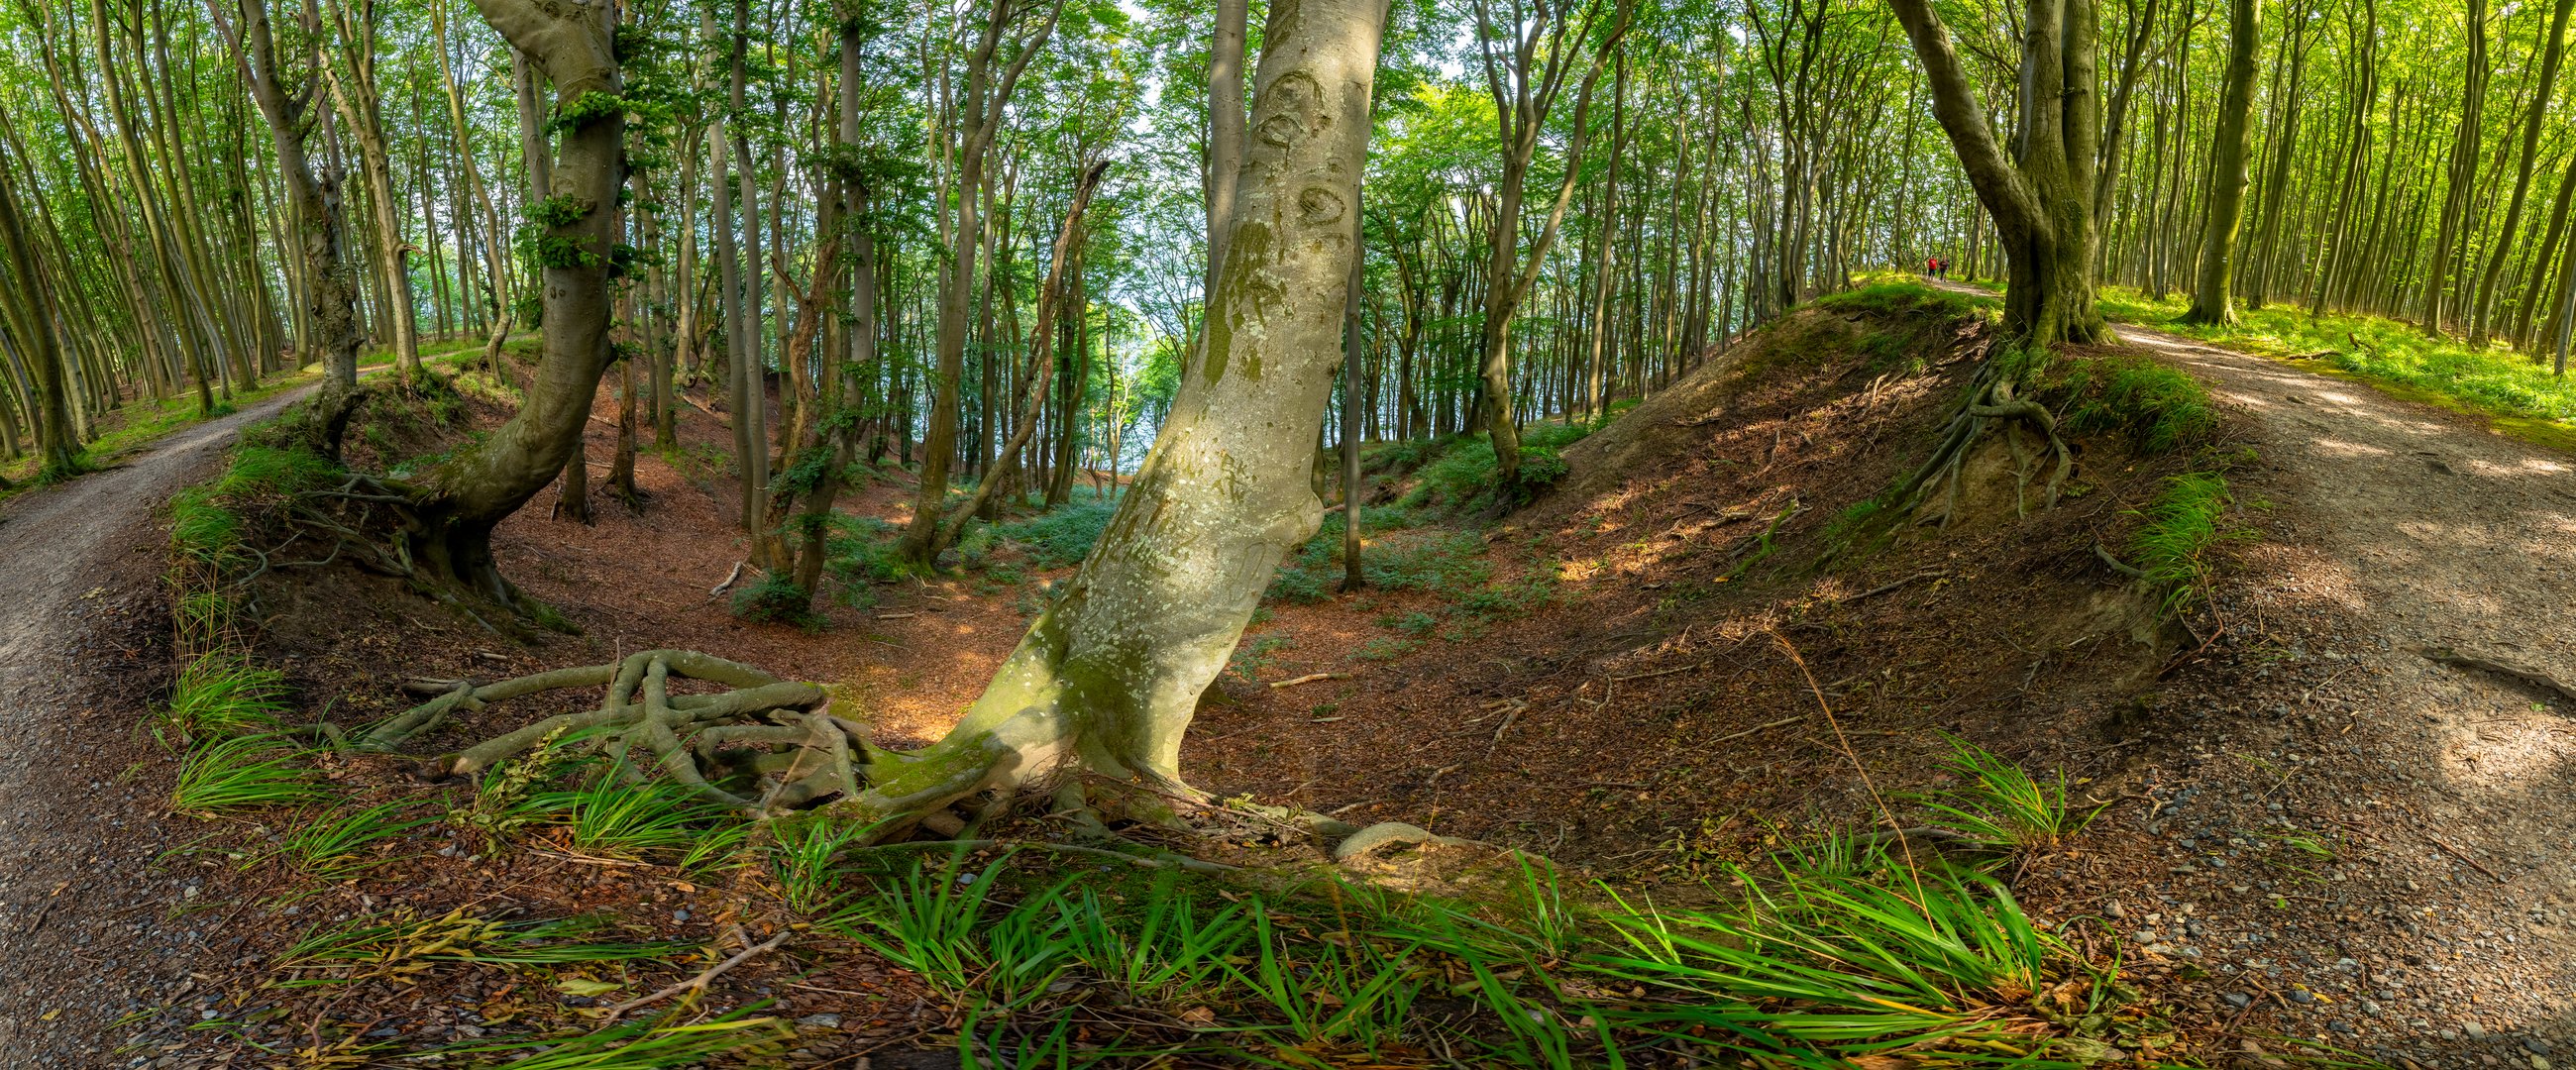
x=27, y=309
x=456, y=505
x=2042, y=202
x=979, y=117
x=2211, y=301
x=329, y=287
x=1105, y=682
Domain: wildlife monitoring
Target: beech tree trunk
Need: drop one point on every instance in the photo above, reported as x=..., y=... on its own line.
x=460, y=501
x=2041, y=201
x=2213, y=300
x=980, y=116
x=1107, y=678
x=329, y=286
x=2551, y=55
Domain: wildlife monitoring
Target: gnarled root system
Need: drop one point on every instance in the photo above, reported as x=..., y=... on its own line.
x=763, y=746
x=1990, y=402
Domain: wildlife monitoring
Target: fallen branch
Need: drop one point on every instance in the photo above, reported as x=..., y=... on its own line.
x=701, y=980
x=1306, y=679
x=1764, y=727
x=1927, y=574
x=2464, y=857
x=2534, y=678
x=2122, y=567
x=1658, y=672
x=719, y=589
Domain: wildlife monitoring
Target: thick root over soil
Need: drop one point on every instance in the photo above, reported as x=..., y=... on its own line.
x=1990, y=402
x=765, y=746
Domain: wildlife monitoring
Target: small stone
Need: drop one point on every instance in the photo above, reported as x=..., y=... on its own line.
x=2112, y=910
x=2301, y=995
x=2473, y=1029
x=2238, y=999
x=2539, y=1062
x=819, y=1021
x=2536, y=1045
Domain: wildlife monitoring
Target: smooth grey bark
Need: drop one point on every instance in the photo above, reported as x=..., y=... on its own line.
x=1107, y=678
x=1225, y=128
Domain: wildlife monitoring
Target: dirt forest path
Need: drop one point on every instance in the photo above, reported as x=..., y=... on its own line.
x=2394, y=533
x=81, y=625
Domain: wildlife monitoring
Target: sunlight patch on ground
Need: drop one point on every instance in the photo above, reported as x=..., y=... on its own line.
x=2521, y=466
x=2350, y=449
x=2500, y=755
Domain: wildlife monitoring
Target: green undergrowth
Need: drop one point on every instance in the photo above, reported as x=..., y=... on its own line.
x=1818, y=957
x=2492, y=382
x=2156, y=408
x=2171, y=545
x=1061, y=537
x=1456, y=476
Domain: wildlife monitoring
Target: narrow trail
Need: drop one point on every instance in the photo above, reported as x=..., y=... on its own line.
x=2444, y=920
x=80, y=624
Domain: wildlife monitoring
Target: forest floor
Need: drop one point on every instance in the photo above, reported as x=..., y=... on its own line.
x=83, y=637
x=2313, y=830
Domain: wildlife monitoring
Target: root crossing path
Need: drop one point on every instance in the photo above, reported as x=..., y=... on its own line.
x=96, y=923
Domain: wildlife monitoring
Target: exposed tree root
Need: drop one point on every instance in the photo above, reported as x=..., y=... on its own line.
x=774, y=748
x=701, y=741
x=1989, y=402
x=2531, y=678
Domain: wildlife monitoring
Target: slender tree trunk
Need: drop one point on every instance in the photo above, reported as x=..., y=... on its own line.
x=2463, y=171
x=2552, y=53
x=2213, y=300
x=986, y=94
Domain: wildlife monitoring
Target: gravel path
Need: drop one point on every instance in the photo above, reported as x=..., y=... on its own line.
x=2440, y=933
x=94, y=927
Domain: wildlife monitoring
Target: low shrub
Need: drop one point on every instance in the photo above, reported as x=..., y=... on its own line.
x=1063, y=536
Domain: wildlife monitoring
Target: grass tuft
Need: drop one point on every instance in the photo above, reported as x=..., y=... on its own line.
x=244, y=773
x=342, y=845
x=2000, y=804
x=2159, y=409
x=2171, y=549
x=404, y=943
x=222, y=695
x=651, y=821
